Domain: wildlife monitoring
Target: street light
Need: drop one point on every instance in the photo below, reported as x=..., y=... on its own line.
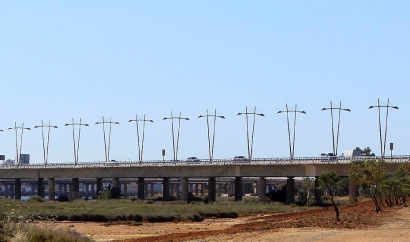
x=254, y=113
x=107, y=149
x=45, y=148
x=292, y=144
x=18, y=151
x=211, y=146
x=340, y=109
x=179, y=118
x=387, y=106
x=140, y=148
x=76, y=146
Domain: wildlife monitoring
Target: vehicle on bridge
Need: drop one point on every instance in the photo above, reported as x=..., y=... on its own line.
x=241, y=158
x=192, y=159
x=328, y=156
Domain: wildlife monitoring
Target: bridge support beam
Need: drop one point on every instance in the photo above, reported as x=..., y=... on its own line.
x=17, y=189
x=165, y=188
x=290, y=190
x=75, y=191
x=99, y=186
x=40, y=187
x=141, y=188
x=353, y=189
x=238, y=188
x=125, y=185
x=51, y=189
x=211, y=189
x=261, y=189
x=185, y=191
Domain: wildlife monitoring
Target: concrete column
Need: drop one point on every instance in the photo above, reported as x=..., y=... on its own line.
x=290, y=189
x=99, y=186
x=141, y=188
x=125, y=190
x=172, y=189
x=146, y=189
x=165, y=189
x=75, y=192
x=152, y=189
x=196, y=189
x=87, y=190
x=211, y=189
x=116, y=182
x=92, y=190
x=59, y=189
x=202, y=189
x=191, y=187
x=261, y=189
x=17, y=189
x=184, y=193
x=318, y=193
x=6, y=190
x=40, y=187
x=353, y=189
x=51, y=189
x=238, y=188
x=33, y=188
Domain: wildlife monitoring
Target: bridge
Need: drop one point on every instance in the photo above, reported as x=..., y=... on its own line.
x=186, y=171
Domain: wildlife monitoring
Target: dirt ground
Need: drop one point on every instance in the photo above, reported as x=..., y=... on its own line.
x=358, y=222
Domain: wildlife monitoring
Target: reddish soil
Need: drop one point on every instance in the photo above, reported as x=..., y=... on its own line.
x=358, y=222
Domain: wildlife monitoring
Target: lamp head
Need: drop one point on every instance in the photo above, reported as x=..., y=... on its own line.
x=347, y=110
x=239, y=114
x=280, y=112
x=200, y=116
x=323, y=109
x=371, y=107
x=395, y=107
x=261, y=114
x=36, y=126
x=222, y=117
x=303, y=112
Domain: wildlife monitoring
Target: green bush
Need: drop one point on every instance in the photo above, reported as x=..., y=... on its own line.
x=35, y=199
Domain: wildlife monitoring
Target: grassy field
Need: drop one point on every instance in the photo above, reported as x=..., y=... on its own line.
x=148, y=210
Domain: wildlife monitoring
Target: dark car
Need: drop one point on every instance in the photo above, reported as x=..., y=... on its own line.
x=241, y=158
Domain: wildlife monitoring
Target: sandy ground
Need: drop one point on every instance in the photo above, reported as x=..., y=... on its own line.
x=358, y=223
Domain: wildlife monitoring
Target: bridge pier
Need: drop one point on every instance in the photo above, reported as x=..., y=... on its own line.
x=51, y=189
x=75, y=191
x=211, y=189
x=261, y=189
x=185, y=191
x=40, y=187
x=353, y=189
x=141, y=188
x=238, y=188
x=165, y=188
x=290, y=190
x=125, y=185
x=17, y=189
x=99, y=186
x=152, y=189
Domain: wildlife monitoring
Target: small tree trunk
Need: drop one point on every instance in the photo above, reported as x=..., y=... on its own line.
x=336, y=209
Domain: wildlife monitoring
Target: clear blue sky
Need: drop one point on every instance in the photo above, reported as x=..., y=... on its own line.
x=76, y=59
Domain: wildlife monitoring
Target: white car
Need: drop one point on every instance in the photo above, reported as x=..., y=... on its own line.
x=192, y=159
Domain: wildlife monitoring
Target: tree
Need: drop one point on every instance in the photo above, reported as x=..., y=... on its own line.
x=110, y=192
x=329, y=180
x=368, y=175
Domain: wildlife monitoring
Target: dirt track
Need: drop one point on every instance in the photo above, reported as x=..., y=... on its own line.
x=358, y=223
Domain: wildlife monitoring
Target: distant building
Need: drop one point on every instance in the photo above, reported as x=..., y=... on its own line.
x=8, y=162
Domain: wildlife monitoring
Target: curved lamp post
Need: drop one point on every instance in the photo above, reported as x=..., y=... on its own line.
x=18, y=150
x=76, y=142
x=140, y=147
x=179, y=118
x=211, y=145
x=45, y=147
x=379, y=106
x=340, y=109
x=107, y=148
x=292, y=144
x=254, y=113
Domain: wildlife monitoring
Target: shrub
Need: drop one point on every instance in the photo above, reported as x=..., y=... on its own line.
x=63, y=198
x=35, y=199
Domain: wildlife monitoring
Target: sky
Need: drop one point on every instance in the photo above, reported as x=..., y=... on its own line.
x=64, y=60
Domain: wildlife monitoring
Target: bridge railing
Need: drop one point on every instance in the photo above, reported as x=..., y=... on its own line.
x=214, y=162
